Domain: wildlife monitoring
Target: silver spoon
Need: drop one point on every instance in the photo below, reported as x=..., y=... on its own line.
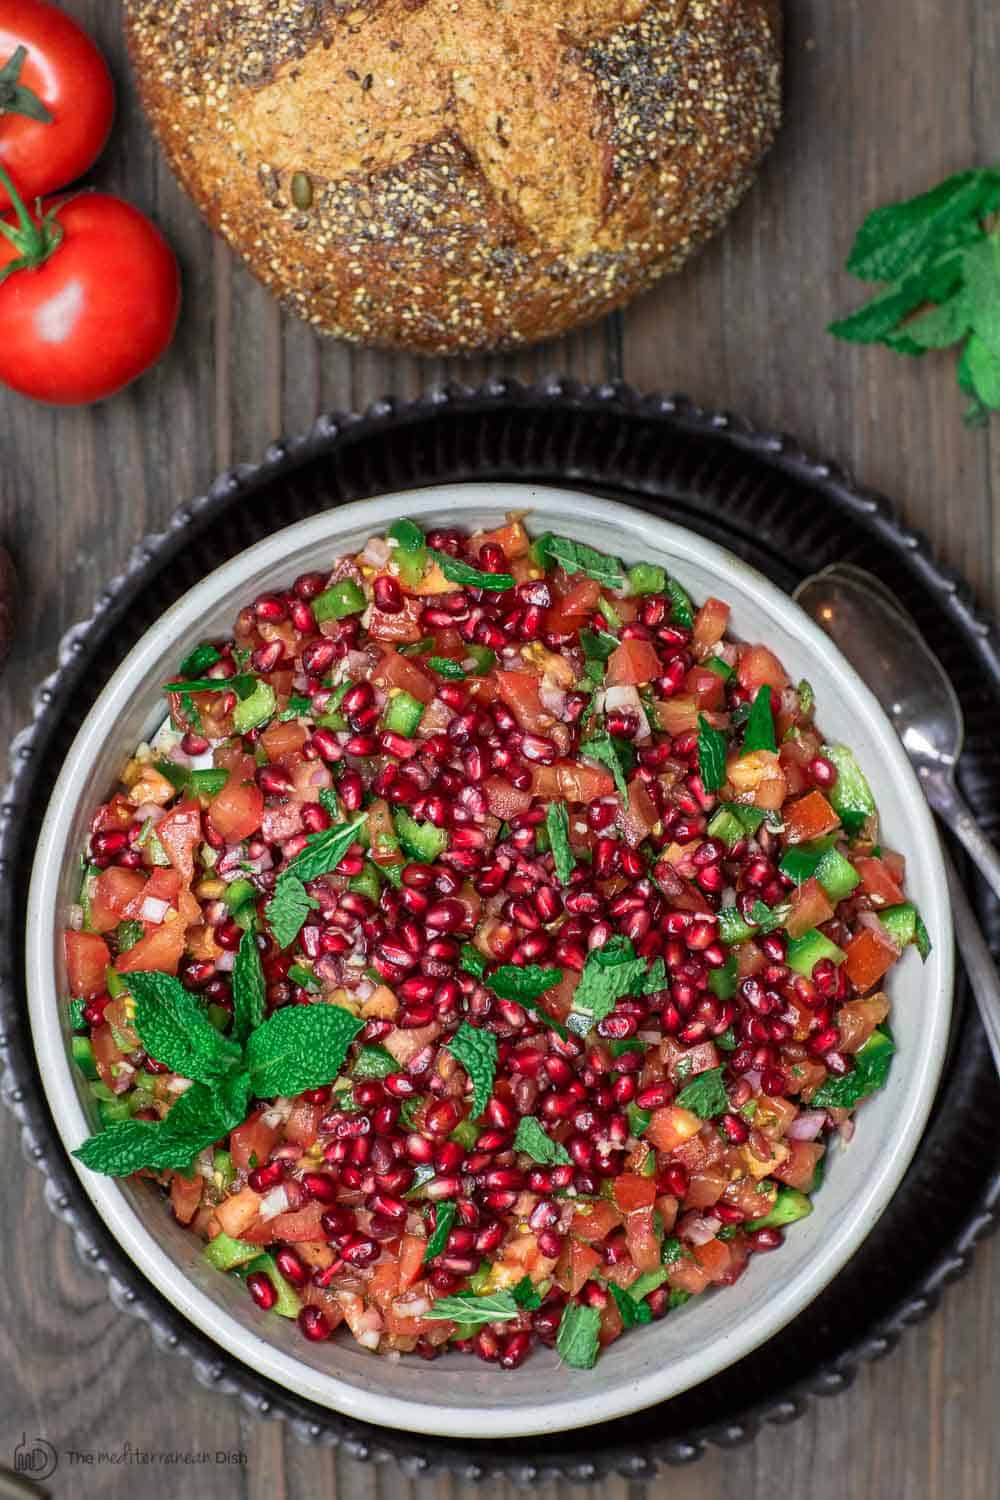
x=886, y=649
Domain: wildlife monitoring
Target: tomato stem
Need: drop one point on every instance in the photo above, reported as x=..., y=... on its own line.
x=34, y=242
x=15, y=97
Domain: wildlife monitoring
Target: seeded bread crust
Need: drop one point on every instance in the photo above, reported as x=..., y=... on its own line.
x=449, y=175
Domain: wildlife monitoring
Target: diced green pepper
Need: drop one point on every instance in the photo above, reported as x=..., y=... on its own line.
x=801, y=861
x=789, y=1206
x=223, y=1170
x=147, y=840
x=209, y=783
x=609, y=612
x=421, y=841
x=720, y=668
x=904, y=925
x=367, y=883
x=646, y=578
x=302, y=975
x=127, y=934
x=483, y=658
x=726, y=826
x=836, y=875
x=733, y=928
x=225, y=1253
x=374, y=1062
x=466, y=1134
x=239, y=893
x=410, y=552
x=114, y=983
x=340, y=600
x=722, y=982
x=256, y=709
x=850, y=796
x=638, y=1119
x=83, y=1056
x=403, y=714
x=111, y=1111
x=479, y=1278
x=805, y=952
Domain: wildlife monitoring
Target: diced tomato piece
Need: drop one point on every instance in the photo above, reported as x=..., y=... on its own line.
x=164, y=884
x=237, y=810
x=795, y=772
x=758, y=666
x=179, y=831
x=878, y=880
x=632, y=663
x=576, y=1265
x=706, y=687
x=611, y=1326
x=237, y=1213
x=403, y=627
x=706, y=1187
x=896, y=865
x=632, y=1191
x=758, y=777
x=106, y=1053
x=318, y=1254
x=512, y=538
x=798, y=1170
x=113, y=893
x=383, y=844
x=505, y=801
x=710, y=622
x=594, y=1225
x=185, y=1196
x=857, y=1020
x=571, y=611
x=301, y=1224
x=383, y=1288
x=411, y=1260
x=302, y=1125
x=87, y=960
x=639, y=819
x=283, y=739
x=252, y=1142
x=810, y=908
x=688, y=1276
x=641, y=1239
x=558, y=1002
x=162, y=948
x=677, y=715
x=395, y=671
x=809, y=817
x=571, y=781
x=671, y=1126
x=869, y=955
x=750, y=960
x=713, y=1258
x=519, y=691
x=117, y=813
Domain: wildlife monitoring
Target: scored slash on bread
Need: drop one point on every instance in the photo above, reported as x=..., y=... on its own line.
x=438, y=176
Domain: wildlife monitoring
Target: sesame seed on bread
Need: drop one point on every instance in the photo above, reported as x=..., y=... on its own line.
x=448, y=175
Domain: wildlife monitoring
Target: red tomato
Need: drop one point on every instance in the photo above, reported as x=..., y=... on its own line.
x=799, y=1168
x=632, y=663
x=706, y=687
x=571, y=781
x=573, y=609
x=869, y=955
x=710, y=622
x=757, y=666
x=395, y=671
x=632, y=1191
x=809, y=817
x=642, y=1240
x=185, y=1196
x=87, y=959
x=63, y=73
x=677, y=715
x=639, y=819
x=283, y=739
x=811, y=908
x=90, y=313
x=505, y=801
x=878, y=880
x=254, y=1139
x=519, y=691
x=161, y=948
x=713, y=1258
x=179, y=831
x=237, y=810
x=114, y=891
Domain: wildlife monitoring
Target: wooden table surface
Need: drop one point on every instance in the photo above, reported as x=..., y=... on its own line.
x=883, y=100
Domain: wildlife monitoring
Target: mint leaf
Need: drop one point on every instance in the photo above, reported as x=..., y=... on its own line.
x=577, y=1341
x=522, y=982
x=472, y=961
x=682, y=610
x=981, y=302
x=476, y=1050
x=633, y=1312
x=445, y=667
x=298, y=708
x=539, y=1145
x=870, y=1072
x=936, y=329
x=900, y=237
x=711, y=755
x=465, y=576
x=705, y=1095
x=199, y=660
x=983, y=365
x=602, y=747
x=206, y=1112
x=577, y=557
x=444, y=1220
x=524, y=1294
x=175, y=1030
x=597, y=645
x=242, y=685
x=494, y=1307
x=199, y=1118
x=249, y=990
x=288, y=908
x=759, y=733
x=300, y=1047
x=557, y=823
x=324, y=851
x=609, y=973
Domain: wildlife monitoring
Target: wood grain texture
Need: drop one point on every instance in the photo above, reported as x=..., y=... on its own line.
x=883, y=100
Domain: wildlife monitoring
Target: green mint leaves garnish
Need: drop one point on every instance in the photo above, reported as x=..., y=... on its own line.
x=465, y=576
x=300, y=1047
x=711, y=755
x=175, y=1030
x=288, y=908
x=598, y=646
x=577, y=557
x=705, y=1095
x=609, y=973
x=870, y=1071
x=476, y=1050
x=577, y=1342
x=199, y=660
x=603, y=747
x=199, y=1118
x=443, y=1223
x=242, y=685
x=682, y=610
x=472, y=961
x=523, y=984
x=323, y=851
x=493, y=1307
x=249, y=990
x=759, y=733
x=557, y=823
x=539, y=1145
x=633, y=1312
x=940, y=265
x=445, y=667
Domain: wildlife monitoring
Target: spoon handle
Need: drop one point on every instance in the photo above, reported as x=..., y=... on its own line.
x=977, y=960
x=952, y=809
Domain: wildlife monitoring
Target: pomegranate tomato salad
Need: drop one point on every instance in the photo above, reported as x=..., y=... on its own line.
x=486, y=950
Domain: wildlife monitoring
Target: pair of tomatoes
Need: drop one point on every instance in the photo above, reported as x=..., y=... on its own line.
x=89, y=288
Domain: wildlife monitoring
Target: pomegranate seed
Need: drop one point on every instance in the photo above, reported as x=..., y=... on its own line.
x=765, y=1239
x=313, y=1324
x=443, y=1187
x=737, y=1130
x=387, y=594
x=262, y=1178
x=108, y=843
x=262, y=1290
x=821, y=772
x=674, y=1179
x=291, y=1267
x=656, y=1096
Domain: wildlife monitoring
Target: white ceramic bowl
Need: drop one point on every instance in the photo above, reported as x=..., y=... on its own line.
x=458, y=1396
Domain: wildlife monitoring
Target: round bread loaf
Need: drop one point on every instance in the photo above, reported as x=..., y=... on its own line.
x=446, y=175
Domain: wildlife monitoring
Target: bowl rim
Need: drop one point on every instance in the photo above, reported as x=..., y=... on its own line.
x=476, y=502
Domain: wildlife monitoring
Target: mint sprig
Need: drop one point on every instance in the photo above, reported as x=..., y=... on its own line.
x=476, y=1050
x=557, y=823
x=288, y=908
x=539, y=1145
x=300, y=1047
x=938, y=257
x=603, y=747
x=176, y=1031
x=577, y=1342
x=759, y=734
x=577, y=557
x=492, y=1307
x=609, y=973
x=249, y=988
x=524, y=985
x=466, y=576
x=445, y=1214
x=711, y=755
x=705, y=1096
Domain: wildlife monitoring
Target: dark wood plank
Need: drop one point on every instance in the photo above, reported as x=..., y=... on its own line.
x=882, y=101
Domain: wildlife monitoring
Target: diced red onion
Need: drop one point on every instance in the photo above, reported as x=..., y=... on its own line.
x=552, y=699
x=225, y=962
x=698, y=1229
x=377, y=552
x=150, y=812
x=870, y=919
x=75, y=918
x=753, y=1079
x=807, y=1126
x=273, y=1203
x=153, y=909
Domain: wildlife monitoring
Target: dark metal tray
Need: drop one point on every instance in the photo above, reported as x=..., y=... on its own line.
x=759, y=495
